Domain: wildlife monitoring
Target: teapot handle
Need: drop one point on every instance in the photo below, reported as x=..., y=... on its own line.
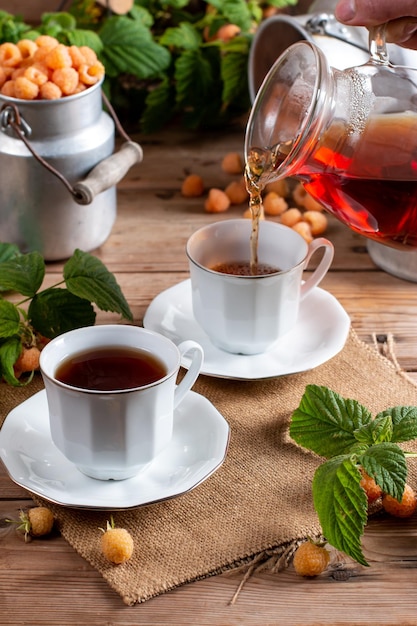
x=108, y=172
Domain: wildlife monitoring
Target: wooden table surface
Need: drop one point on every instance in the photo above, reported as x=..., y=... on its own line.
x=46, y=583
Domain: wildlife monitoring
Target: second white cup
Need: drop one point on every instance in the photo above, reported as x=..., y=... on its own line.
x=246, y=314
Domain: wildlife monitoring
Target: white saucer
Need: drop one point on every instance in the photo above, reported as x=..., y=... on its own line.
x=198, y=448
x=320, y=333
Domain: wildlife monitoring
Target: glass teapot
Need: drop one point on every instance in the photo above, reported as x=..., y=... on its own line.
x=349, y=136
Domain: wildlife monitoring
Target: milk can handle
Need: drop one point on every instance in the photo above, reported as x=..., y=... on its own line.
x=104, y=175
x=107, y=173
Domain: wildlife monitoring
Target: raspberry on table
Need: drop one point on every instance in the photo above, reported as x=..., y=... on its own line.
x=232, y=163
x=404, y=508
x=217, y=201
x=36, y=522
x=116, y=543
x=192, y=186
x=311, y=559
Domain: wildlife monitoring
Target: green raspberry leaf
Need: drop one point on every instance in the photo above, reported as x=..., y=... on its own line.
x=87, y=277
x=386, y=464
x=184, y=37
x=193, y=77
x=9, y=353
x=280, y=4
x=234, y=11
x=9, y=319
x=80, y=37
x=404, y=421
x=8, y=251
x=55, y=311
x=341, y=505
x=325, y=422
x=23, y=273
x=142, y=15
x=378, y=430
x=233, y=70
x=61, y=19
x=160, y=103
x=128, y=46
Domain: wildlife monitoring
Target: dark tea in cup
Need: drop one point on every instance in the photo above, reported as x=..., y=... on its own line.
x=111, y=368
x=244, y=268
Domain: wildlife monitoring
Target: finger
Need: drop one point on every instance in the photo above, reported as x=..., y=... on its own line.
x=372, y=12
x=403, y=32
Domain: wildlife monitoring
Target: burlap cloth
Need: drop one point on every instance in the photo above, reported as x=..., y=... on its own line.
x=260, y=498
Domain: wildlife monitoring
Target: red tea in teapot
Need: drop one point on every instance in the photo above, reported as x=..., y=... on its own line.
x=370, y=184
x=373, y=188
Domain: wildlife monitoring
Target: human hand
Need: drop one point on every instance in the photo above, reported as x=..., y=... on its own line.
x=400, y=16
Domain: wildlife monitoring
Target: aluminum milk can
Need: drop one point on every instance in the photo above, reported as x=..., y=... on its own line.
x=55, y=213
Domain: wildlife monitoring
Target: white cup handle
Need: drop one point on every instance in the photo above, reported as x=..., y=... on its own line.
x=322, y=268
x=193, y=371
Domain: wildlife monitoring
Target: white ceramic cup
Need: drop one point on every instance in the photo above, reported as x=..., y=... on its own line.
x=114, y=434
x=248, y=314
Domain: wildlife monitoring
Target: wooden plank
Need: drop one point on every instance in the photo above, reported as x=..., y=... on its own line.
x=46, y=578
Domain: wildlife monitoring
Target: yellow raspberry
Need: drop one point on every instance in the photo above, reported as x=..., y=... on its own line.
x=311, y=204
x=299, y=194
x=311, y=559
x=303, y=229
x=217, y=201
x=41, y=521
x=10, y=55
x=192, y=186
x=67, y=80
x=372, y=490
x=3, y=76
x=46, y=41
x=8, y=89
x=236, y=192
x=91, y=74
x=232, y=163
x=50, y=91
x=88, y=54
x=25, y=89
x=116, y=544
x=19, y=71
x=317, y=221
x=58, y=57
x=27, y=48
x=36, y=522
x=35, y=75
x=280, y=187
x=291, y=216
x=274, y=204
x=404, y=508
x=77, y=57
x=28, y=360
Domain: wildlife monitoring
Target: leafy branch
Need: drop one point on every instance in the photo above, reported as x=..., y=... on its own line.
x=345, y=433
x=164, y=60
x=43, y=314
